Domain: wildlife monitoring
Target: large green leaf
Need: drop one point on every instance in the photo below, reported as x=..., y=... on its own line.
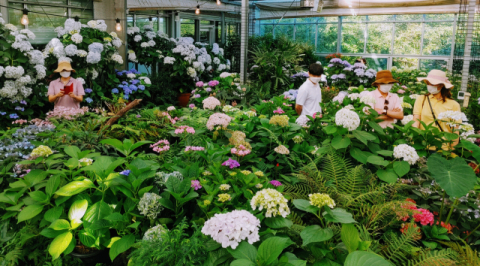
x=340, y=143
x=472, y=147
x=29, y=212
x=97, y=212
x=278, y=222
x=53, y=214
x=455, y=176
x=374, y=159
x=314, y=234
x=78, y=209
x=75, y=187
x=271, y=248
x=121, y=245
x=60, y=224
x=350, y=237
x=244, y=251
x=388, y=176
x=359, y=155
x=72, y=151
x=364, y=258
x=60, y=244
x=304, y=205
x=363, y=136
x=401, y=168
x=242, y=262
x=339, y=215
x=377, y=128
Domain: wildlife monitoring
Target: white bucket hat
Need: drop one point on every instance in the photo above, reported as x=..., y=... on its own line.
x=436, y=77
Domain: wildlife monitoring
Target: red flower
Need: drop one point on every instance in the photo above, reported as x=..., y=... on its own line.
x=449, y=227
x=435, y=213
x=474, y=167
x=278, y=164
x=411, y=200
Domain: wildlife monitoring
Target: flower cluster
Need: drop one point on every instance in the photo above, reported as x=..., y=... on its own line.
x=279, y=120
x=196, y=184
x=279, y=111
x=240, y=151
x=297, y=139
x=406, y=152
x=85, y=162
x=282, y=150
x=224, y=197
x=155, y=233
x=367, y=99
x=271, y=200
x=161, y=146
x=218, y=119
x=452, y=117
x=161, y=178
x=423, y=216
x=231, y=163
x=229, y=229
x=194, y=148
x=347, y=118
x=41, y=151
x=319, y=200
x=275, y=183
x=466, y=130
x=149, y=205
x=185, y=129
x=406, y=119
x=210, y=103
x=224, y=187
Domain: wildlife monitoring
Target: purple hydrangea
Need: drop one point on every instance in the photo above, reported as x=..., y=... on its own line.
x=213, y=83
x=275, y=183
x=231, y=163
x=138, y=116
x=88, y=90
x=330, y=65
x=346, y=64
x=334, y=77
x=342, y=76
x=125, y=96
x=125, y=172
x=141, y=87
x=23, y=102
x=208, y=89
x=135, y=81
x=196, y=184
x=191, y=106
x=14, y=116
x=359, y=65
x=360, y=72
x=124, y=83
x=336, y=61
x=89, y=100
x=3, y=113
x=133, y=87
x=197, y=96
x=199, y=84
x=348, y=69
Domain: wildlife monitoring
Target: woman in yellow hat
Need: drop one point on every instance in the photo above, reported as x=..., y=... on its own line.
x=65, y=91
x=438, y=100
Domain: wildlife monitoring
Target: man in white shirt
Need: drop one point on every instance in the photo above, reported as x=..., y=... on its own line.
x=309, y=95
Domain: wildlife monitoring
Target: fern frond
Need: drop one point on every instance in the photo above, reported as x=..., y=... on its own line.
x=444, y=257
x=397, y=248
x=296, y=219
x=466, y=256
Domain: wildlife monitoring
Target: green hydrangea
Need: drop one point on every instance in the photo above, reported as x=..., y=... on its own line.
x=319, y=200
x=41, y=151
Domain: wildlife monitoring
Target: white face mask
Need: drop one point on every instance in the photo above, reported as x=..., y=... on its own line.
x=315, y=80
x=65, y=74
x=432, y=89
x=385, y=88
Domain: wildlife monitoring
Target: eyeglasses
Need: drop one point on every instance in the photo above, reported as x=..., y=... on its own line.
x=386, y=105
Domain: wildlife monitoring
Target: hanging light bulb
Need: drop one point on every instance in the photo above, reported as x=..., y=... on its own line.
x=150, y=18
x=77, y=19
x=24, y=19
x=118, y=26
x=197, y=11
x=219, y=2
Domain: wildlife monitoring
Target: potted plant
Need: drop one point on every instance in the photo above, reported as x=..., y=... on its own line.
x=183, y=98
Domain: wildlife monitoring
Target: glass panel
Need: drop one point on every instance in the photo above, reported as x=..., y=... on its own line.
x=306, y=20
x=409, y=17
x=187, y=29
x=305, y=33
x=379, y=38
x=184, y=20
x=405, y=62
x=429, y=64
x=439, y=16
x=284, y=20
x=328, y=19
x=130, y=21
x=266, y=29
x=286, y=30
x=85, y=15
x=407, y=38
x=142, y=21
x=381, y=18
x=327, y=38
x=266, y=21
x=205, y=22
x=377, y=63
x=353, y=37
x=437, y=38
x=162, y=24
x=80, y=3
x=354, y=18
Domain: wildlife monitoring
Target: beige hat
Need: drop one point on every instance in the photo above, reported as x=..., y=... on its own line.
x=436, y=77
x=64, y=65
x=384, y=77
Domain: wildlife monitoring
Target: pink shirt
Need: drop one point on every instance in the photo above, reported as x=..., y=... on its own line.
x=66, y=101
x=393, y=102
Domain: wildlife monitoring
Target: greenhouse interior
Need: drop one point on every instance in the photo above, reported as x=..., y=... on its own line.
x=240, y=132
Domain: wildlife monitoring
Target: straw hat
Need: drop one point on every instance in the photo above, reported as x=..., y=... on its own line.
x=64, y=65
x=436, y=77
x=384, y=77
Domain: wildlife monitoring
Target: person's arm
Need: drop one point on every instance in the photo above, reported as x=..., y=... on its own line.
x=298, y=109
x=78, y=98
x=300, y=102
x=417, y=111
x=417, y=119
x=53, y=98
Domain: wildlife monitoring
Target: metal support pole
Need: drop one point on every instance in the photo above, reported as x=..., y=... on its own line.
x=223, y=29
x=452, y=52
x=468, y=44
x=197, y=30
x=244, y=42
x=4, y=10
x=339, y=35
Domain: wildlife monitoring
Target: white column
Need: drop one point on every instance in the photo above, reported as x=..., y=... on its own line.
x=4, y=10
x=244, y=42
x=468, y=44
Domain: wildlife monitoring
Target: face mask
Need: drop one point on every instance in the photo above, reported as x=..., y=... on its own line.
x=385, y=88
x=65, y=74
x=315, y=80
x=432, y=89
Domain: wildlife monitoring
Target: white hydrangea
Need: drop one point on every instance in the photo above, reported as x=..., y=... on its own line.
x=149, y=205
x=95, y=47
x=406, y=152
x=65, y=59
x=151, y=43
x=28, y=33
x=9, y=90
x=71, y=50
x=132, y=30
x=451, y=117
x=131, y=76
x=94, y=73
x=137, y=38
x=36, y=57
x=215, y=48
x=144, y=45
x=146, y=80
x=169, y=60
x=414, y=96
x=229, y=229
x=347, y=118
x=12, y=72
x=216, y=61
x=22, y=81
x=41, y=71
x=25, y=92
x=220, y=51
x=354, y=96
x=191, y=72
x=161, y=178
x=221, y=67
x=155, y=233
x=282, y=150
x=132, y=56
x=10, y=27
x=368, y=99
x=2, y=70
x=406, y=119
x=151, y=34
x=466, y=130
x=271, y=200
x=77, y=38
x=82, y=53
x=93, y=58
x=117, y=42
x=22, y=44
x=81, y=80
x=117, y=58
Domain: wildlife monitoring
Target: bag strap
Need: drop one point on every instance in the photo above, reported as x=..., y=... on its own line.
x=431, y=109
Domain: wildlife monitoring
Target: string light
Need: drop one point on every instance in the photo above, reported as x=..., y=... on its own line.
x=197, y=11
x=150, y=18
x=24, y=19
x=118, y=26
x=219, y=2
x=77, y=19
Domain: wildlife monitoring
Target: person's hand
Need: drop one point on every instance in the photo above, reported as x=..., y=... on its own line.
x=71, y=95
x=397, y=110
x=379, y=110
x=60, y=94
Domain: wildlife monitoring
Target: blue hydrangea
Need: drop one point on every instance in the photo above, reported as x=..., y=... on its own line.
x=89, y=100
x=125, y=172
x=133, y=87
x=14, y=116
x=125, y=96
x=124, y=83
x=141, y=87
x=120, y=86
x=135, y=81
x=115, y=91
x=3, y=113
x=88, y=90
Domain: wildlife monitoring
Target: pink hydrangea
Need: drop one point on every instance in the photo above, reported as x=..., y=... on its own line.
x=210, y=103
x=213, y=83
x=186, y=129
x=194, y=148
x=68, y=113
x=279, y=111
x=288, y=105
x=199, y=84
x=169, y=117
x=191, y=106
x=231, y=163
x=275, y=183
x=424, y=216
x=161, y=146
x=241, y=151
x=401, y=91
x=218, y=119
x=196, y=184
